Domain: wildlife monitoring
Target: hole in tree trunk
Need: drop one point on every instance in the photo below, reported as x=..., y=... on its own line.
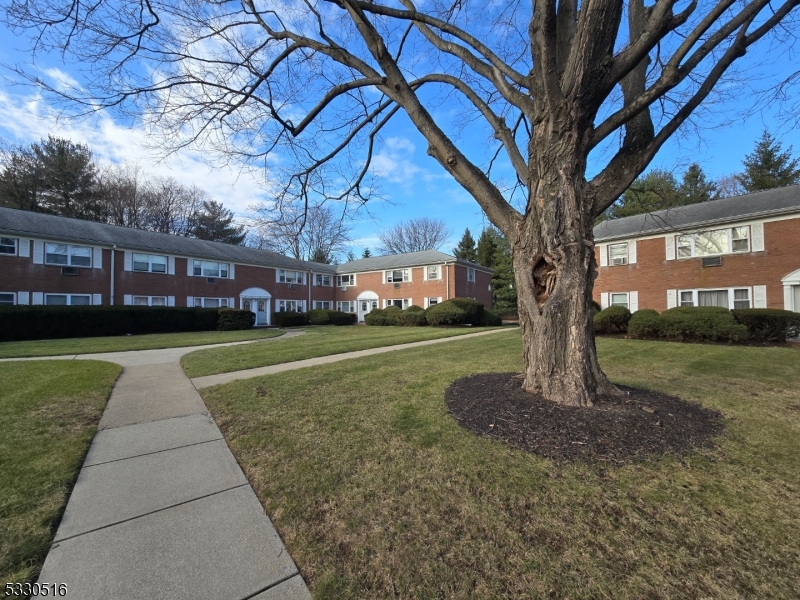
x=544, y=280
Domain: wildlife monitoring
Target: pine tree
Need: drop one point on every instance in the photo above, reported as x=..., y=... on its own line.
x=494, y=252
x=487, y=246
x=214, y=223
x=768, y=167
x=695, y=188
x=466, y=247
x=656, y=190
x=367, y=253
x=350, y=256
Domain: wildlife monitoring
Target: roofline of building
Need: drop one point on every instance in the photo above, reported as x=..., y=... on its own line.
x=693, y=226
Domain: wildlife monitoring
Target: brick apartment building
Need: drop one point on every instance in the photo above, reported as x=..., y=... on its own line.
x=45, y=259
x=740, y=252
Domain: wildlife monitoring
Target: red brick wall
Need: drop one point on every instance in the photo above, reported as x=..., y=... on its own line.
x=653, y=275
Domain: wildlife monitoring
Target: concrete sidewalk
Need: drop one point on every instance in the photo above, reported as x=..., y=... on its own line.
x=161, y=509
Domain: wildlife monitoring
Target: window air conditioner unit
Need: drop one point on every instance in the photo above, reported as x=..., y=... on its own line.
x=291, y=286
x=69, y=270
x=713, y=261
x=619, y=261
x=344, y=288
x=211, y=279
x=397, y=285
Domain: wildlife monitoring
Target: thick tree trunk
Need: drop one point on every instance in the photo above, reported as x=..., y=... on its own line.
x=553, y=256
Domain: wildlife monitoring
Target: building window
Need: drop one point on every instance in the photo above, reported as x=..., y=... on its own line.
x=618, y=254
x=208, y=268
x=724, y=298
x=712, y=243
x=399, y=302
x=434, y=272
x=432, y=301
x=398, y=276
x=348, y=306
x=741, y=298
x=210, y=302
x=67, y=299
x=285, y=276
x=66, y=255
x=8, y=245
x=6, y=299
x=687, y=299
x=345, y=280
x=713, y=298
x=149, y=300
x=153, y=263
x=290, y=305
x=619, y=300
x=322, y=304
x=470, y=274
x=321, y=279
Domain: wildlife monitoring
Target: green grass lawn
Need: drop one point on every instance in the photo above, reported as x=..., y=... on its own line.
x=134, y=342
x=377, y=493
x=49, y=412
x=316, y=341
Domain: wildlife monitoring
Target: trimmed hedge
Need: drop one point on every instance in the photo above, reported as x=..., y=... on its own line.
x=612, y=319
x=768, y=324
x=19, y=323
x=644, y=323
x=412, y=319
x=290, y=318
x=472, y=308
x=382, y=317
x=701, y=324
x=337, y=317
x=318, y=316
x=446, y=313
x=231, y=319
x=415, y=308
x=490, y=319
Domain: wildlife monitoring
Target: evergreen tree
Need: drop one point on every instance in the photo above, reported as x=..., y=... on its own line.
x=214, y=223
x=367, y=253
x=466, y=248
x=695, y=188
x=768, y=167
x=487, y=246
x=656, y=190
x=350, y=256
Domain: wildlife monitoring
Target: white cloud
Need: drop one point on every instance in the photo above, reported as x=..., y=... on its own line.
x=27, y=119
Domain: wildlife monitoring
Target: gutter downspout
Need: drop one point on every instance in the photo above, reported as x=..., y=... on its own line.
x=448, y=281
x=113, y=248
x=310, y=283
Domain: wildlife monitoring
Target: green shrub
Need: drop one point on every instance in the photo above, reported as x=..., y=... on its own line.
x=701, y=324
x=446, y=313
x=472, y=308
x=232, y=319
x=596, y=307
x=19, y=323
x=337, y=317
x=412, y=319
x=318, y=316
x=290, y=318
x=415, y=308
x=769, y=324
x=612, y=319
x=382, y=317
x=644, y=324
x=490, y=319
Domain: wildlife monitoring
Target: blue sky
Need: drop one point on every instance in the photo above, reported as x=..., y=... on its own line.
x=413, y=183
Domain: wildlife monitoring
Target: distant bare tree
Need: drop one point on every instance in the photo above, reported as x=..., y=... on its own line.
x=121, y=190
x=318, y=235
x=414, y=235
x=171, y=207
x=728, y=185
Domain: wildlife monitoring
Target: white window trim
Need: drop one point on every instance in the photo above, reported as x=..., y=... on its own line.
x=731, y=296
x=328, y=275
x=201, y=261
x=627, y=299
x=228, y=303
x=318, y=302
x=471, y=274
x=350, y=276
x=729, y=230
x=302, y=277
x=13, y=297
x=427, y=301
x=69, y=256
x=625, y=259
x=352, y=306
x=426, y=275
x=149, y=300
x=16, y=246
x=390, y=273
x=150, y=263
x=69, y=299
x=301, y=305
x=405, y=302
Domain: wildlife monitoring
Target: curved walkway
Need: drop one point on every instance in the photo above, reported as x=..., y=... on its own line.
x=161, y=508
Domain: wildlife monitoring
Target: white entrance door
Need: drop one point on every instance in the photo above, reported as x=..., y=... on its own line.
x=259, y=306
x=796, y=291
x=365, y=307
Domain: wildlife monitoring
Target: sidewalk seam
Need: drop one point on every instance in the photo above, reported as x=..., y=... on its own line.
x=147, y=514
x=277, y=583
x=219, y=439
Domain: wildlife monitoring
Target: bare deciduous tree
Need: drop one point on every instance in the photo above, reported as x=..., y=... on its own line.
x=414, y=235
x=306, y=86
x=318, y=234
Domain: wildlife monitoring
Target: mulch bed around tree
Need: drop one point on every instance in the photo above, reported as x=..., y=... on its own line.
x=638, y=425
